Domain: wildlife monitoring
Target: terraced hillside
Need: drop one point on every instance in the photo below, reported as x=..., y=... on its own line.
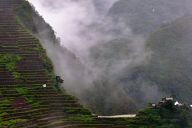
x=24, y=68
x=25, y=103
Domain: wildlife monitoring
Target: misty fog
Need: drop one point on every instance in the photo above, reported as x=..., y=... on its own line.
x=106, y=51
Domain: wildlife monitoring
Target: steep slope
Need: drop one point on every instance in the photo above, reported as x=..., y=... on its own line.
x=24, y=69
x=25, y=103
x=65, y=62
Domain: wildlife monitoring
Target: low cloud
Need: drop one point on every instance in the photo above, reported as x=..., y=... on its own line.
x=83, y=25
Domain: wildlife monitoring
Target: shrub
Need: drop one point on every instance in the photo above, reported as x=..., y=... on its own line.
x=10, y=61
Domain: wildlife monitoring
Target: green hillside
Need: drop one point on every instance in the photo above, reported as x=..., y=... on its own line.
x=29, y=93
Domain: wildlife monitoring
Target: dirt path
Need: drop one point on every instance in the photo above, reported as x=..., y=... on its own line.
x=119, y=116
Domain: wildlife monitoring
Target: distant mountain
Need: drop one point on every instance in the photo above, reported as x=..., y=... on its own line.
x=167, y=71
x=144, y=16
x=126, y=80
x=171, y=65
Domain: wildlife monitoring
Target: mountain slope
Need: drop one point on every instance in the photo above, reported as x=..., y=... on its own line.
x=25, y=102
x=24, y=69
x=170, y=65
x=145, y=16
x=166, y=71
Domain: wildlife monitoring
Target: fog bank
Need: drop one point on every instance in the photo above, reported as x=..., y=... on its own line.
x=104, y=51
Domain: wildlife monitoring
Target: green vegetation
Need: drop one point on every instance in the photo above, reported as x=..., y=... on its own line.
x=81, y=118
x=50, y=70
x=74, y=111
x=8, y=123
x=25, y=16
x=23, y=91
x=10, y=62
x=169, y=116
x=162, y=118
x=4, y=103
x=11, y=123
x=47, y=63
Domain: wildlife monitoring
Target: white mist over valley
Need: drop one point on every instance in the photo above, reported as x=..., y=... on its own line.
x=114, y=68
